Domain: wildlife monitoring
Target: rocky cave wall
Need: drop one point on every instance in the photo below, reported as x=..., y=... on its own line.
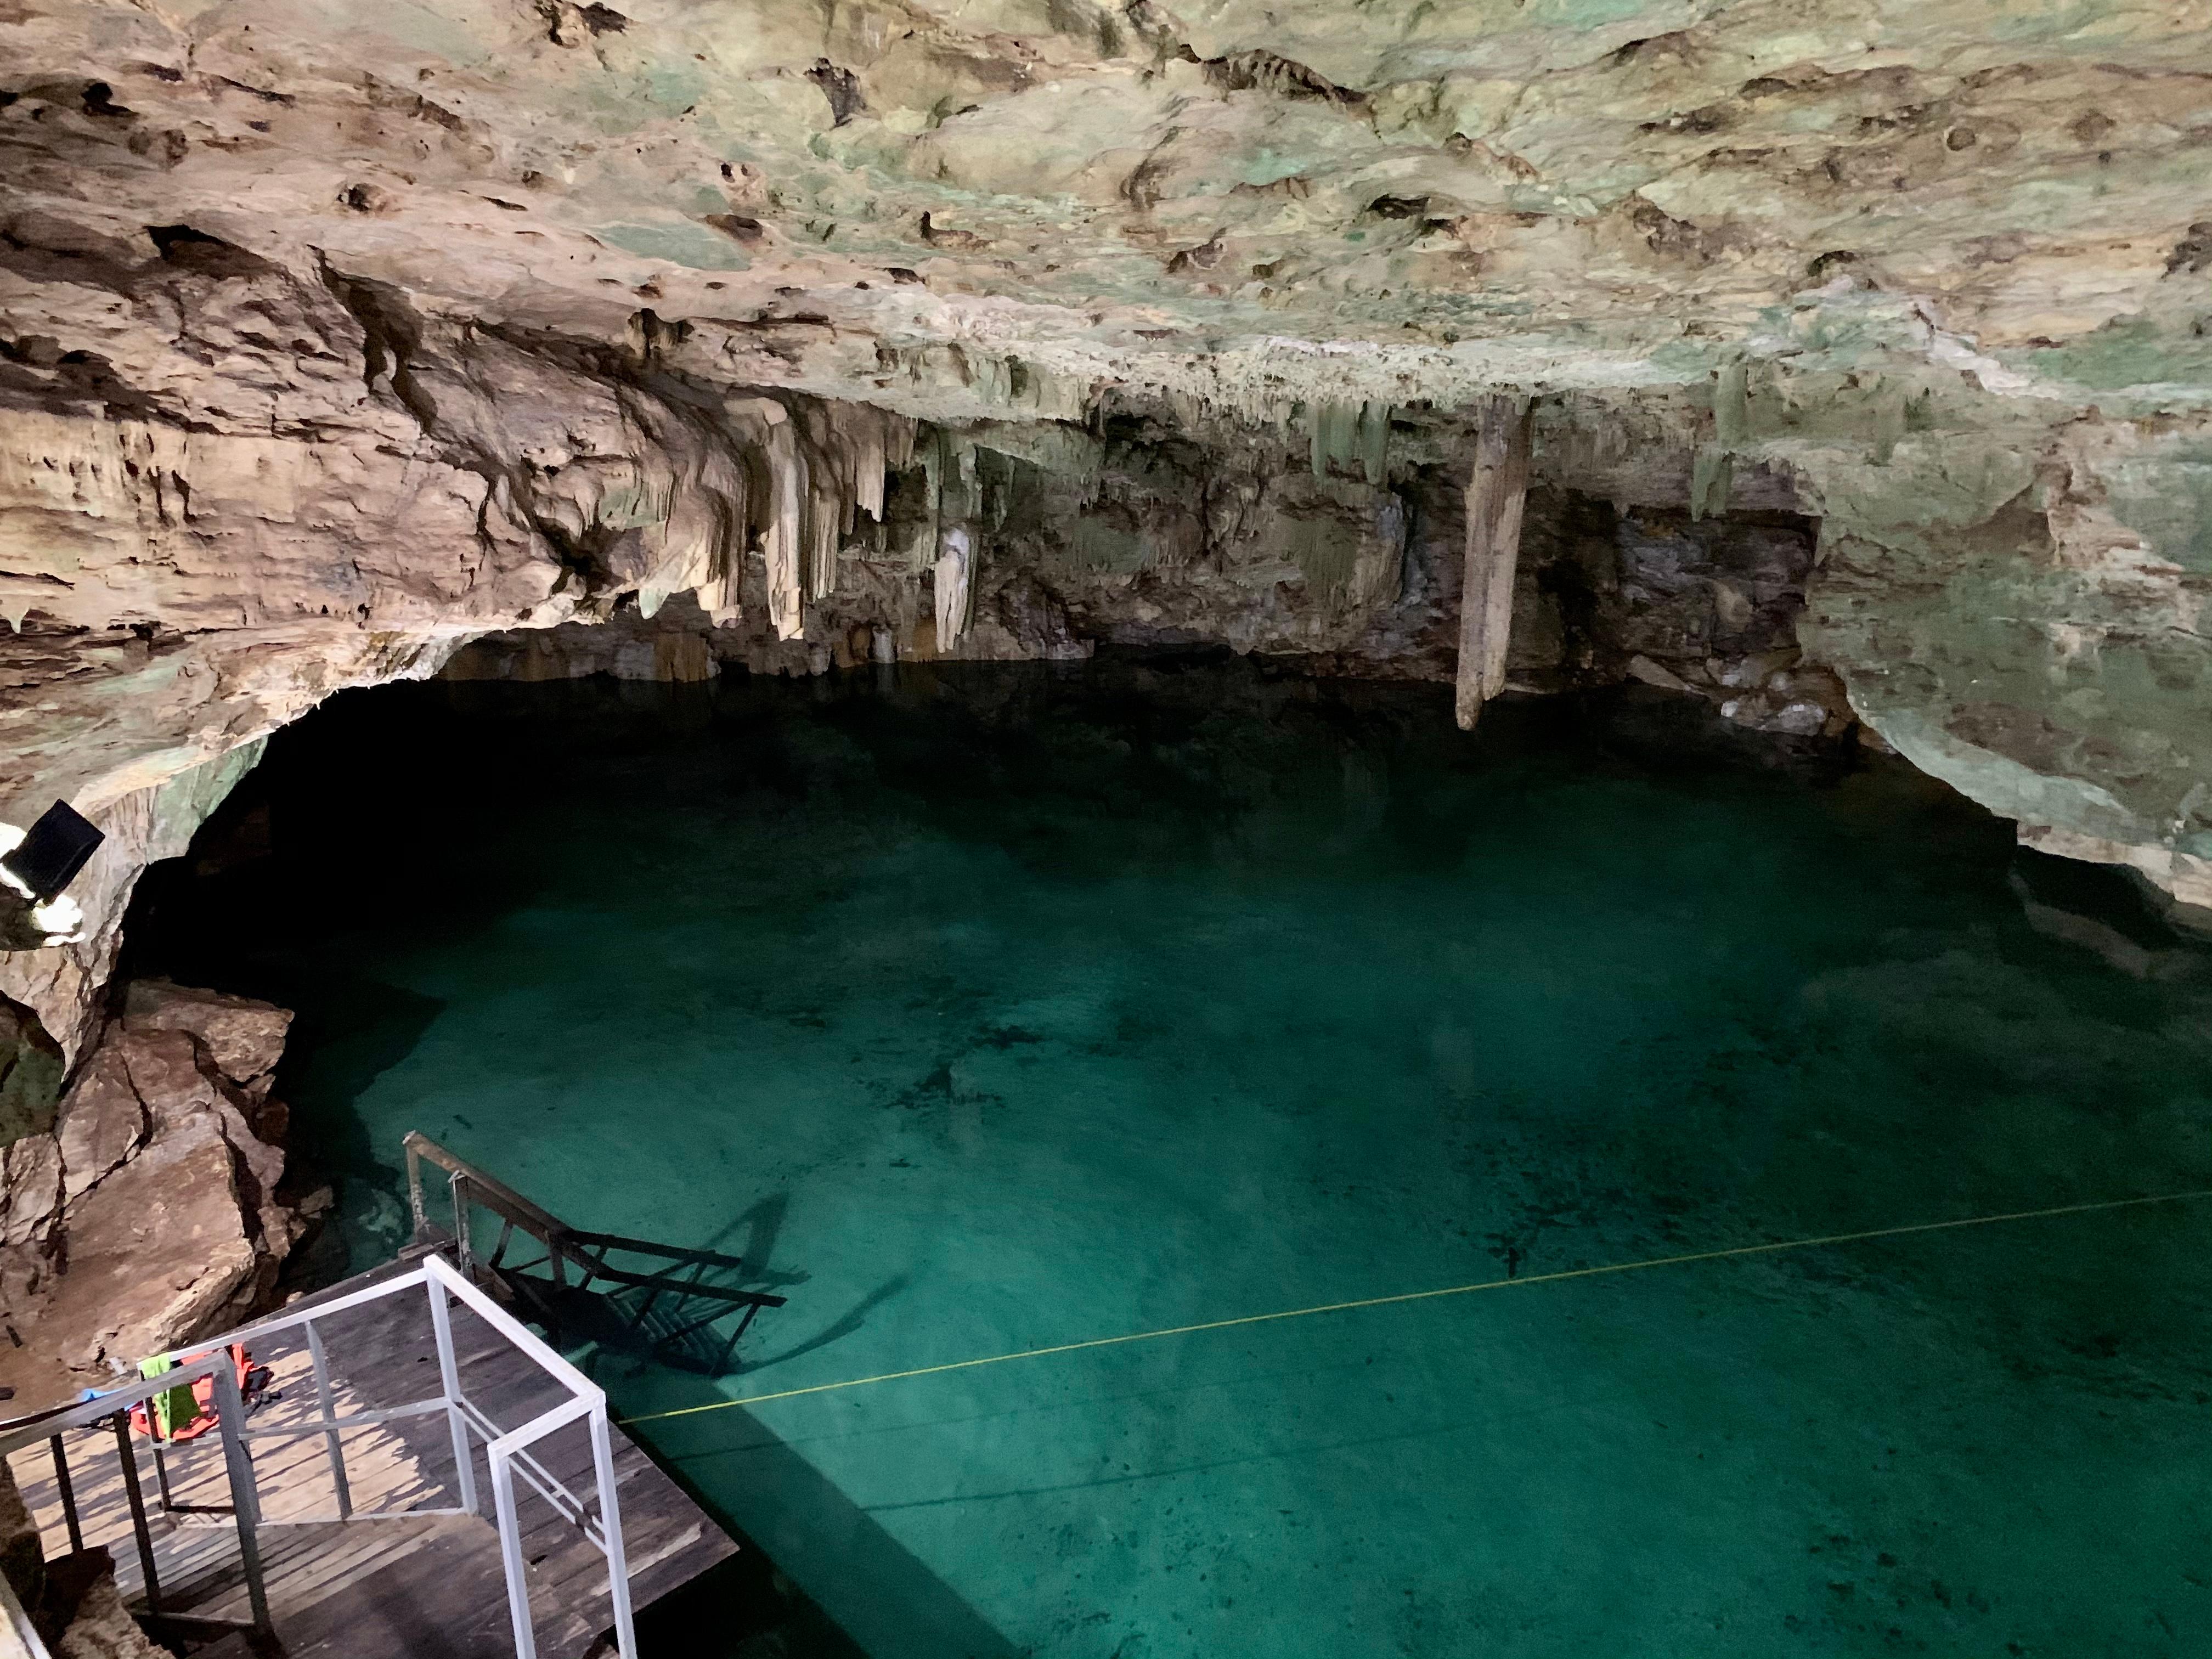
x=1142, y=535
x=1871, y=348
x=152, y=1204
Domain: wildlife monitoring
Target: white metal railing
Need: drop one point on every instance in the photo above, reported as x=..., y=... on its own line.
x=507, y=1451
x=19, y=1637
x=113, y=1408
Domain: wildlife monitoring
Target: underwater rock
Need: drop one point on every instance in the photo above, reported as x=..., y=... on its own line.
x=1643, y=668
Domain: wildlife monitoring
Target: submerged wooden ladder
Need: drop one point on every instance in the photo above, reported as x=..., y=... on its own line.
x=670, y=1306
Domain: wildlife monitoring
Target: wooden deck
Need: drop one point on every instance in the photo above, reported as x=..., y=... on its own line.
x=425, y=1586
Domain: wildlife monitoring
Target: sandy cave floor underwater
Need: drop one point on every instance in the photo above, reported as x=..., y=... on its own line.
x=997, y=1007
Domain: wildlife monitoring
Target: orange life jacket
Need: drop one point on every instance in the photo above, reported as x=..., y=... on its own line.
x=202, y=1395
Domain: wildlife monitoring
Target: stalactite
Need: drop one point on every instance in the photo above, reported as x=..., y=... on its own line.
x=823, y=533
x=717, y=593
x=1071, y=456
x=1342, y=432
x=1712, y=476
x=953, y=574
x=899, y=442
x=868, y=466
x=824, y=465
x=996, y=381
x=684, y=499
x=783, y=544
x=1330, y=426
x=1732, y=404
x=1890, y=421
x=1496, y=496
x=952, y=466
x=933, y=473
x=1375, y=442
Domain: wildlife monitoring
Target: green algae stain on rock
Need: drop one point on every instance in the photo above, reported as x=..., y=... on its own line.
x=2126, y=354
x=682, y=244
x=30, y=1071
x=1106, y=549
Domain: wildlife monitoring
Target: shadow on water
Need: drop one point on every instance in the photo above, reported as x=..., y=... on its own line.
x=342, y=1043
x=849, y=1325
x=889, y=1603
x=762, y=1223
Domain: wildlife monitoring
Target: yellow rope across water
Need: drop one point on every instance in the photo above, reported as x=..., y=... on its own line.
x=1425, y=1296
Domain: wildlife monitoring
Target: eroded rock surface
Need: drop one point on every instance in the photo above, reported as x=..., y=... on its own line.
x=151, y=1213
x=333, y=339
x=73, y=1605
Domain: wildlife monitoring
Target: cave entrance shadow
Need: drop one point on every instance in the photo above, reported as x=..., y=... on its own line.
x=871, y=1585
x=348, y=1034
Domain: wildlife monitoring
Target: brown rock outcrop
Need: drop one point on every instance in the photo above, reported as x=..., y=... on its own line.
x=151, y=1213
x=102, y=1627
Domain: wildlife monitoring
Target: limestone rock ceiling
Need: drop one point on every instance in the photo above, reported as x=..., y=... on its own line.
x=333, y=335
x=1563, y=188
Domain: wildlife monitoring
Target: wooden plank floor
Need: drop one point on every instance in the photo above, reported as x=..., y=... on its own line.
x=429, y=1586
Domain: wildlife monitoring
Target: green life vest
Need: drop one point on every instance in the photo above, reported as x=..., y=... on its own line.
x=173, y=1409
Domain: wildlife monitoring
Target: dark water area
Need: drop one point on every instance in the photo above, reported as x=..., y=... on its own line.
x=1007, y=1007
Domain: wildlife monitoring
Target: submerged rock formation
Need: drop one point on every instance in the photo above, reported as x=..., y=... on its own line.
x=1868, y=350
x=154, y=1209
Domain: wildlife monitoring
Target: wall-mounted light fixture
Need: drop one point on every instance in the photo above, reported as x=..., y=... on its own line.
x=35, y=865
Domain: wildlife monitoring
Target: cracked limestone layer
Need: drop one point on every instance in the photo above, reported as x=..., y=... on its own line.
x=151, y=1210
x=333, y=339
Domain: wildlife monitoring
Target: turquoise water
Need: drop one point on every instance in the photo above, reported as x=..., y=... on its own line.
x=1020, y=1007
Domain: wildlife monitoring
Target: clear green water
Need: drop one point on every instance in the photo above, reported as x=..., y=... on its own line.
x=1021, y=1006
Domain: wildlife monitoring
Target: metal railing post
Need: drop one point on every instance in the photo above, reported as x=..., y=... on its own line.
x=69, y=1497
x=510, y=1551
x=245, y=1502
x=16, y=1627
x=509, y=1452
x=602, y=1465
x=557, y=1243
x=330, y=1436
x=449, y=1375
x=124, y=1450
x=458, y=1183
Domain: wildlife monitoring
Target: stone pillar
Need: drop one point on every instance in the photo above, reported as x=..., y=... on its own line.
x=1495, y=497
x=955, y=571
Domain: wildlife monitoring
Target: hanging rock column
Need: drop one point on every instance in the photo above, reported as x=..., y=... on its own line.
x=955, y=570
x=1496, y=494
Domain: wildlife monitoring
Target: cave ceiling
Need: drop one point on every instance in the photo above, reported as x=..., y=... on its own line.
x=1393, y=200
x=332, y=335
